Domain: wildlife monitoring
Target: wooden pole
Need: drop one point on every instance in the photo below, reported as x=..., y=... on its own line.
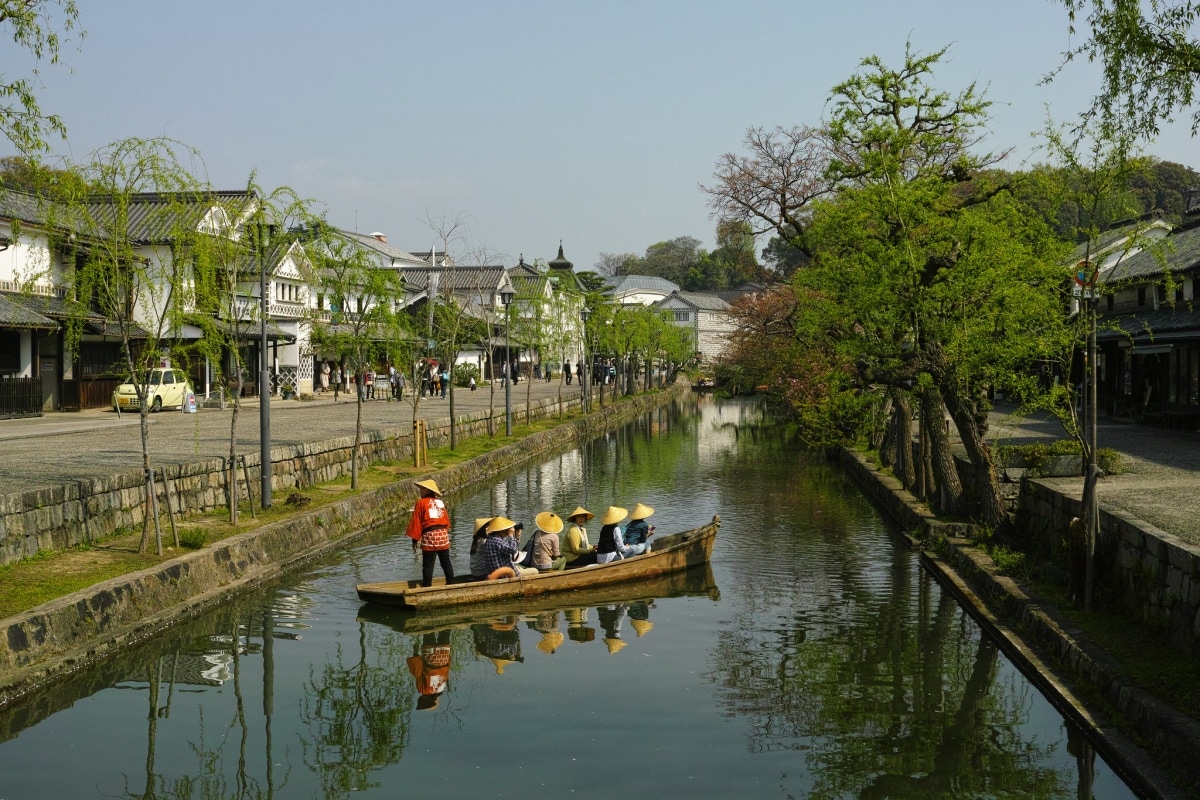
x=153, y=488
x=170, y=508
x=233, y=491
x=249, y=488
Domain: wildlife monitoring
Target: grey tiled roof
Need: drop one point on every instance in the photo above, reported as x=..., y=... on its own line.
x=383, y=248
x=1165, y=323
x=53, y=306
x=455, y=278
x=21, y=206
x=702, y=301
x=17, y=315
x=1177, y=253
x=1109, y=239
x=159, y=217
x=619, y=284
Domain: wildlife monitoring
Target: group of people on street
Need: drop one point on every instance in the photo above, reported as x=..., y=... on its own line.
x=495, y=543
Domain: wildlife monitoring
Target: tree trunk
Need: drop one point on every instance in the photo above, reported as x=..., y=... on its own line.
x=971, y=422
x=357, y=431
x=902, y=465
x=945, y=473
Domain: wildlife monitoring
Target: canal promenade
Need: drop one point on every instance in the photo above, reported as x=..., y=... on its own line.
x=62, y=448
x=1159, y=481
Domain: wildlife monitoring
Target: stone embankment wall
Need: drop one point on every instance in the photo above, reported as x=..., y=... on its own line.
x=1136, y=563
x=1015, y=618
x=62, y=636
x=61, y=517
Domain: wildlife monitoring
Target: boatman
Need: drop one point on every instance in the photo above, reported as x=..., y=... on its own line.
x=429, y=529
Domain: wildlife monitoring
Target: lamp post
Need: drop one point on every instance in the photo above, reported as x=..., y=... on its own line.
x=263, y=232
x=506, y=296
x=585, y=375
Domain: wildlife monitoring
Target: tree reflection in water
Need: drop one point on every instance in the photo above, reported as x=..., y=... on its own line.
x=881, y=713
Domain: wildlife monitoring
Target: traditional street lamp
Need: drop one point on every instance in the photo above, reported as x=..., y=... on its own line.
x=506, y=296
x=263, y=233
x=584, y=313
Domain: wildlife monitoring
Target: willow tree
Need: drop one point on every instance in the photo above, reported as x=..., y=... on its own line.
x=1149, y=53
x=131, y=222
x=41, y=28
x=236, y=247
x=362, y=320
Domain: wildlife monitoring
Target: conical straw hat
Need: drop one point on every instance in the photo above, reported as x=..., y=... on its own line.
x=642, y=626
x=641, y=511
x=430, y=484
x=549, y=522
x=481, y=523
x=550, y=642
x=614, y=646
x=500, y=663
x=580, y=510
x=500, y=524
x=614, y=515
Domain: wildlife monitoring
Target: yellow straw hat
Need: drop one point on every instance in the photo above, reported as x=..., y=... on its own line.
x=549, y=522
x=550, y=642
x=430, y=484
x=500, y=664
x=578, y=511
x=481, y=523
x=614, y=515
x=500, y=524
x=642, y=626
x=641, y=511
x=615, y=646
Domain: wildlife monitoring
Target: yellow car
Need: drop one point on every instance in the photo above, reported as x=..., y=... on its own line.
x=165, y=387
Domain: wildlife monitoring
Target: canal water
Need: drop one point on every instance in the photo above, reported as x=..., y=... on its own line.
x=815, y=659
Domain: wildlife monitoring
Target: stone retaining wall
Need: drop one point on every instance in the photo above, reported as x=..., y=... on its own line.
x=1167, y=764
x=1137, y=564
x=61, y=517
x=62, y=636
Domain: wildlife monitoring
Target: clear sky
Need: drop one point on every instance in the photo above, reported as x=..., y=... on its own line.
x=590, y=122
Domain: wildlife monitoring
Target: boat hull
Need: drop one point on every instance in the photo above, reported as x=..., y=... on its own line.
x=672, y=553
x=692, y=582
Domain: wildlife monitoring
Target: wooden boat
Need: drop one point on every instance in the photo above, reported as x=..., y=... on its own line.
x=694, y=582
x=672, y=553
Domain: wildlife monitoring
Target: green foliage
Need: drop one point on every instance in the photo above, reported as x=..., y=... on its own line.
x=40, y=28
x=1036, y=456
x=1150, y=57
x=192, y=538
x=1010, y=562
x=463, y=374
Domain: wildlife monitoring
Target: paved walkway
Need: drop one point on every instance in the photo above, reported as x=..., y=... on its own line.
x=1160, y=481
x=62, y=448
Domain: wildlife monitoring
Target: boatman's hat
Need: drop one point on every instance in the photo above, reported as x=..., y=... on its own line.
x=430, y=484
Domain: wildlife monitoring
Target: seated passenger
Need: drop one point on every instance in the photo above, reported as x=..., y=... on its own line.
x=478, y=573
x=576, y=548
x=545, y=546
x=610, y=543
x=500, y=550
x=637, y=532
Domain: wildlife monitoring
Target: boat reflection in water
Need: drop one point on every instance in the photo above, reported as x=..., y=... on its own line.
x=687, y=583
x=497, y=629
